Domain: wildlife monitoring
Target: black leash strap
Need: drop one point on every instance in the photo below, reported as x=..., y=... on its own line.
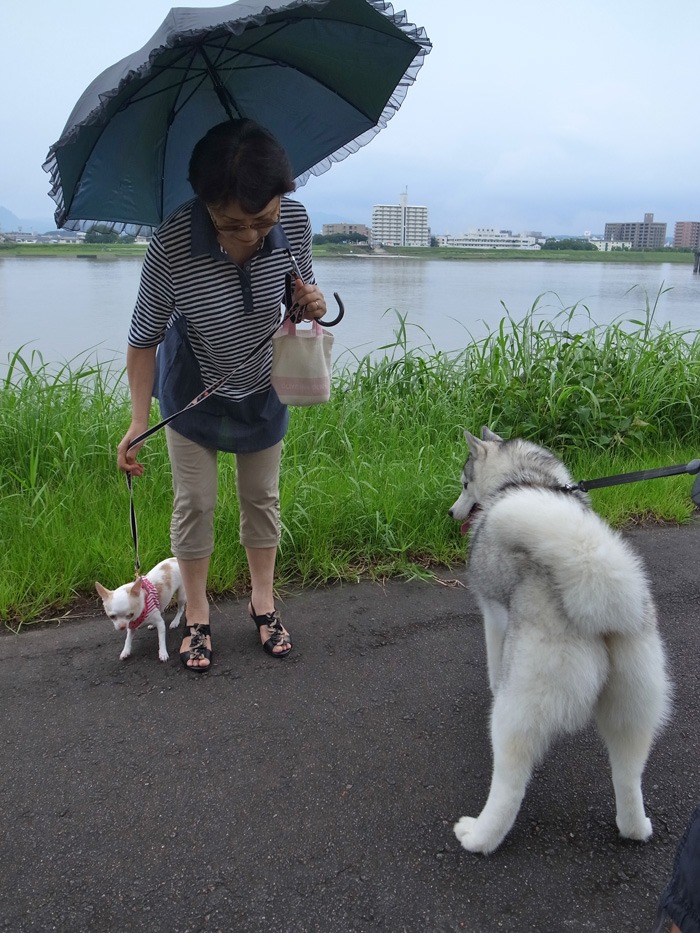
x=134, y=529
x=692, y=467
x=291, y=312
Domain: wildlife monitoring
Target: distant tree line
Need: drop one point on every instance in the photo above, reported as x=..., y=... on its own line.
x=571, y=243
x=101, y=233
x=339, y=238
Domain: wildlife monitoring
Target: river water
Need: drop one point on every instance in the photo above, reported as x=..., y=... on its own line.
x=68, y=308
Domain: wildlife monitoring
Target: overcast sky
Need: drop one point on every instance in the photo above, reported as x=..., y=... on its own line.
x=549, y=115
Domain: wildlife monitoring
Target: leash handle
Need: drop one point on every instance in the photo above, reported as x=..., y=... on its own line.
x=692, y=467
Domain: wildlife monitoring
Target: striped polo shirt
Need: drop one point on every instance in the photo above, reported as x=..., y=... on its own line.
x=190, y=286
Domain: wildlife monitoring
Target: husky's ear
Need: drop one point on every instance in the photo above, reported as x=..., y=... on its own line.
x=102, y=590
x=488, y=435
x=476, y=447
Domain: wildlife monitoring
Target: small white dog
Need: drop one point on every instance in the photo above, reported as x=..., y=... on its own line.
x=132, y=604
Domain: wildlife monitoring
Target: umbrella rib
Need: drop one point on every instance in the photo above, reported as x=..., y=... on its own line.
x=171, y=117
x=225, y=98
x=288, y=23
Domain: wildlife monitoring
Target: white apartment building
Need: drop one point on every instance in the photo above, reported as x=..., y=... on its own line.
x=400, y=224
x=609, y=246
x=488, y=238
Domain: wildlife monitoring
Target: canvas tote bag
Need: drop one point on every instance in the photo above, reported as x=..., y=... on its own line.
x=301, y=364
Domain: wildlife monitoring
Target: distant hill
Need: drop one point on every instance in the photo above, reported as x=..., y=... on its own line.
x=10, y=221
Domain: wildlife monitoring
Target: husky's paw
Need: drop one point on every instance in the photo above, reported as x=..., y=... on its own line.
x=472, y=838
x=639, y=830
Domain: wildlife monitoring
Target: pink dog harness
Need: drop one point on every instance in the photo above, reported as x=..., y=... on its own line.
x=152, y=602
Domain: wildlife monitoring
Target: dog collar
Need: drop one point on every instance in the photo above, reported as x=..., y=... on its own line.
x=151, y=602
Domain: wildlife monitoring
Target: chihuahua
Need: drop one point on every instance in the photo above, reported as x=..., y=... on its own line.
x=132, y=604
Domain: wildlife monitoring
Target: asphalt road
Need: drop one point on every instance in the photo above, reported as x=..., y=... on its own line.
x=317, y=795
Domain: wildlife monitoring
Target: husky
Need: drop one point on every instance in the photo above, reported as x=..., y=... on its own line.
x=570, y=629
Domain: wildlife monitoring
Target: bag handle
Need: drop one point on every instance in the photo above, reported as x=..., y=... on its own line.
x=288, y=327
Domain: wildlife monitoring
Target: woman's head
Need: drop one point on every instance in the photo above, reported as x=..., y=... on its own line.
x=240, y=161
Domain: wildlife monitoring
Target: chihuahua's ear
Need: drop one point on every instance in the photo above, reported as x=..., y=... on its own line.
x=102, y=591
x=136, y=587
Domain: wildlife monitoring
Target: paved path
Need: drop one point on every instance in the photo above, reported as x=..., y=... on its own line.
x=318, y=794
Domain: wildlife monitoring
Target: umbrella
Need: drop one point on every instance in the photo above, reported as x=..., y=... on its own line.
x=324, y=76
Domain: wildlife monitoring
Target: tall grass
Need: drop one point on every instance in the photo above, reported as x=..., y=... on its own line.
x=367, y=478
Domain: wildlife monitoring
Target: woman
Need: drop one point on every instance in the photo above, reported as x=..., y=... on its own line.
x=211, y=287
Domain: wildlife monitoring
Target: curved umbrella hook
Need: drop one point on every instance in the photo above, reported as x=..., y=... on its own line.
x=341, y=312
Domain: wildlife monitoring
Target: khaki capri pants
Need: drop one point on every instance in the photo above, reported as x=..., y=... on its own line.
x=194, y=470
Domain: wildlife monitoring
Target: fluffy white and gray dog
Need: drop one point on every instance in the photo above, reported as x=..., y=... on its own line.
x=570, y=630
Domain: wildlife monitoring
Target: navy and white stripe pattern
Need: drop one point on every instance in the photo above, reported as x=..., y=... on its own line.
x=228, y=308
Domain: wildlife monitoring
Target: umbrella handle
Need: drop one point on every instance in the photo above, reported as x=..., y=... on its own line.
x=341, y=313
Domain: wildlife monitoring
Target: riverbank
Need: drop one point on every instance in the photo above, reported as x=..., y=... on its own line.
x=367, y=478
x=353, y=251
x=334, y=250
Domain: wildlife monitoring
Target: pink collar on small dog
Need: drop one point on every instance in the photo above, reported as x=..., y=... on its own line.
x=152, y=601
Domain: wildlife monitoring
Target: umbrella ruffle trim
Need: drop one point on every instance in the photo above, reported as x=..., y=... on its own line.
x=419, y=36
x=51, y=167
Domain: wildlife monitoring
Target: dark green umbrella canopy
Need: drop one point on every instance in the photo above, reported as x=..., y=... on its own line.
x=324, y=76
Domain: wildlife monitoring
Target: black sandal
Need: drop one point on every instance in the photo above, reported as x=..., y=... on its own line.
x=278, y=636
x=197, y=650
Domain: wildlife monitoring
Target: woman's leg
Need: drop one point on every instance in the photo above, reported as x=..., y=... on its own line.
x=257, y=481
x=194, y=470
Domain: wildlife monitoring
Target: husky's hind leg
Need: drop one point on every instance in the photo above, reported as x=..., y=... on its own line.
x=630, y=711
x=628, y=755
x=515, y=754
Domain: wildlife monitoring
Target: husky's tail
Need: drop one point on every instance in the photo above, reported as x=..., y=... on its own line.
x=599, y=579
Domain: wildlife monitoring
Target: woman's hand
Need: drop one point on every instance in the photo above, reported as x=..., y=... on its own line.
x=126, y=458
x=310, y=300
x=140, y=367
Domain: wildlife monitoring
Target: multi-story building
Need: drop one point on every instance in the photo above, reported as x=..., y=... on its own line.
x=488, y=238
x=687, y=234
x=346, y=230
x=400, y=224
x=608, y=246
x=646, y=235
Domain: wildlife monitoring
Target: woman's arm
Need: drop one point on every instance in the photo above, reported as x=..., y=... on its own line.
x=140, y=368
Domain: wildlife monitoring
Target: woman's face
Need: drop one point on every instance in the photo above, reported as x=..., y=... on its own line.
x=231, y=221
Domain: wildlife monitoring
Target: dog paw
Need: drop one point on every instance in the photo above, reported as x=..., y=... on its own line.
x=639, y=830
x=124, y=655
x=163, y=656
x=471, y=838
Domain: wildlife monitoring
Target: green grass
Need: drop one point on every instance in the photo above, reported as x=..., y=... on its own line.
x=74, y=250
x=367, y=479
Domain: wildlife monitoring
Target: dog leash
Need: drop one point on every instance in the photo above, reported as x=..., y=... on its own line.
x=291, y=312
x=693, y=467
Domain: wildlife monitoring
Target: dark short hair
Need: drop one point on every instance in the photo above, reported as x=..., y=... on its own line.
x=240, y=161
